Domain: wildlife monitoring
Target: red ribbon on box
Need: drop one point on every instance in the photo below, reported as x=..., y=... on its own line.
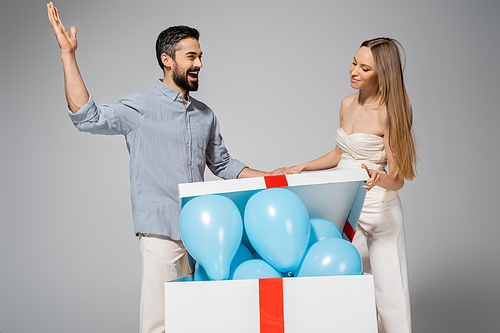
x=276, y=181
x=349, y=231
x=271, y=309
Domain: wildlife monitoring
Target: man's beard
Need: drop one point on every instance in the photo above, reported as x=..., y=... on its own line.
x=181, y=79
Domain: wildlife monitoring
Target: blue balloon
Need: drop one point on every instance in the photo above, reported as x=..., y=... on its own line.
x=255, y=269
x=277, y=225
x=242, y=255
x=246, y=242
x=297, y=270
x=211, y=229
x=256, y=256
x=322, y=229
x=240, y=198
x=330, y=257
x=199, y=273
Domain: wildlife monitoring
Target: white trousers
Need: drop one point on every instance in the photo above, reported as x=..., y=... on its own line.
x=163, y=259
x=380, y=241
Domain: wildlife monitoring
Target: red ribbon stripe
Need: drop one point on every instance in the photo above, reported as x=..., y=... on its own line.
x=276, y=181
x=271, y=306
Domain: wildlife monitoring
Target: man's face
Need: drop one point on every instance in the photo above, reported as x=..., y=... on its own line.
x=187, y=65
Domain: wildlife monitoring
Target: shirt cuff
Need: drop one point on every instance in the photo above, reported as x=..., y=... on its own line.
x=84, y=113
x=234, y=169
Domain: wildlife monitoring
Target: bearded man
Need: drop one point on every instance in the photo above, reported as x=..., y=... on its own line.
x=170, y=136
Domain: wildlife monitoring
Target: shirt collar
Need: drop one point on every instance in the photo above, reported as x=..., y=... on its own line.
x=172, y=94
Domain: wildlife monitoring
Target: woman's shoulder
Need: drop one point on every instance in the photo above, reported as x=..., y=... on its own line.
x=347, y=101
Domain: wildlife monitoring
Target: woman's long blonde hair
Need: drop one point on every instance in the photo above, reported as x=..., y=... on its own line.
x=392, y=93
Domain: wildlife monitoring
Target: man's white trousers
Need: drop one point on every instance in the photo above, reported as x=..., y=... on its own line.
x=163, y=259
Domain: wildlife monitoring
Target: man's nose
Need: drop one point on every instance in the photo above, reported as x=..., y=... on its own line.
x=198, y=63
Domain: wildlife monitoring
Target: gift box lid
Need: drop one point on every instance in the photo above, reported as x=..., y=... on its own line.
x=337, y=196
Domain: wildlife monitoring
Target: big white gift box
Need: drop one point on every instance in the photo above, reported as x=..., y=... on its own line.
x=290, y=304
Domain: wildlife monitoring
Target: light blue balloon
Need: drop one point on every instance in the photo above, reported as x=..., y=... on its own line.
x=330, y=257
x=240, y=198
x=256, y=256
x=199, y=273
x=277, y=225
x=242, y=255
x=297, y=270
x=211, y=229
x=322, y=229
x=246, y=242
x=255, y=269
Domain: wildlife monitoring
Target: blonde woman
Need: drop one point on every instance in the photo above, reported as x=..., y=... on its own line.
x=376, y=130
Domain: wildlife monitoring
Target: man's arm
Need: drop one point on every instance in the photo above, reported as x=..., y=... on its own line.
x=248, y=173
x=76, y=92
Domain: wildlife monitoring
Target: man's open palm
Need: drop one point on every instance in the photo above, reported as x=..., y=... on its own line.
x=67, y=42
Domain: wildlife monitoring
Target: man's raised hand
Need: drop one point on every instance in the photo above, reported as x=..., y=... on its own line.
x=76, y=92
x=67, y=41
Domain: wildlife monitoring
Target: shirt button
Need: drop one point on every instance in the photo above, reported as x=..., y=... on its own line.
x=189, y=163
x=187, y=127
x=190, y=180
x=188, y=145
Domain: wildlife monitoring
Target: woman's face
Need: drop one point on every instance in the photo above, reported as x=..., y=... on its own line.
x=363, y=72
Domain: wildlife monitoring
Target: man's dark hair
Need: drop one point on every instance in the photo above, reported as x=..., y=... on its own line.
x=168, y=40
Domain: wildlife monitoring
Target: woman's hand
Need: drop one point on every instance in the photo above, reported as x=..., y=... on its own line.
x=277, y=172
x=292, y=170
x=373, y=180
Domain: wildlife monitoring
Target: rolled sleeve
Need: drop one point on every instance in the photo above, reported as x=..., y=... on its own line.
x=233, y=169
x=121, y=117
x=218, y=159
x=85, y=113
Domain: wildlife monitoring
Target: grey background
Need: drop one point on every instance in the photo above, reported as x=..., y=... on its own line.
x=275, y=73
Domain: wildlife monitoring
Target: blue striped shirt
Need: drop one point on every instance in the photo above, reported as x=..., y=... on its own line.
x=168, y=144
